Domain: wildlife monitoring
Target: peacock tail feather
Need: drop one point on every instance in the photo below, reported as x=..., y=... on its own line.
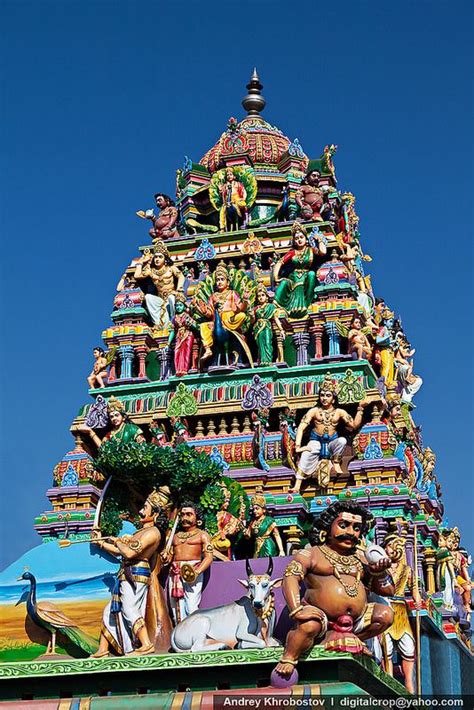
x=81, y=639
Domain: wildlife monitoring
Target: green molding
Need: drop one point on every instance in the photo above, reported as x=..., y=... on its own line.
x=167, y=661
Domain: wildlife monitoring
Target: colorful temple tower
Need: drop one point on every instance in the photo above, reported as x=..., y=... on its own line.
x=252, y=376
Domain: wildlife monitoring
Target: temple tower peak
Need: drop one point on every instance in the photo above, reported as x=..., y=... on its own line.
x=253, y=102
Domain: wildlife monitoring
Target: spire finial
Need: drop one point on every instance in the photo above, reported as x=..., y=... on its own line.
x=254, y=102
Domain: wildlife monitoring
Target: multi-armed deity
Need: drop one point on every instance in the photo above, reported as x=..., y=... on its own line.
x=253, y=382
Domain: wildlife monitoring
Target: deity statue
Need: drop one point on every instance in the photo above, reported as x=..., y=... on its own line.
x=158, y=432
x=124, y=628
x=452, y=573
x=99, y=371
x=310, y=197
x=400, y=635
x=337, y=576
x=164, y=224
x=358, y=341
x=266, y=321
x=167, y=280
x=123, y=430
x=233, y=212
x=295, y=291
x=325, y=444
x=264, y=529
x=409, y=382
x=228, y=526
x=183, y=327
x=288, y=436
x=225, y=311
x=383, y=342
x=180, y=428
x=190, y=556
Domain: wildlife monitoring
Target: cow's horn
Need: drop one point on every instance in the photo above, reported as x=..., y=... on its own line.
x=270, y=567
x=248, y=568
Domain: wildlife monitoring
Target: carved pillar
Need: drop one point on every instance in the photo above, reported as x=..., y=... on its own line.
x=163, y=359
x=301, y=342
x=112, y=371
x=127, y=354
x=333, y=333
x=317, y=332
x=279, y=342
x=430, y=562
x=141, y=354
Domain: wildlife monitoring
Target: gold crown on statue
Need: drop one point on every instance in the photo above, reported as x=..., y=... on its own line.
x=180, y=297
x=298, y=227
x=259, y=499
x=160, y=248
x=387, y=313
x=160, y=498
x=328, y=385
x=221, y=270
x=115, y=405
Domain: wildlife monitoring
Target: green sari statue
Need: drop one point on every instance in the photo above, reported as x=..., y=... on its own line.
x=295, y=292
x=266, y=319
x=264, y=529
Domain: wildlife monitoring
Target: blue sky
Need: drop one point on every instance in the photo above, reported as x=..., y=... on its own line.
x=100, y=103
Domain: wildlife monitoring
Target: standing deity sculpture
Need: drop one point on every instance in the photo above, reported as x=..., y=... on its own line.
x=338, y=576
x=399, y=635
x=233, y=211
x=325, y=443
x=266, y=323
x=182, y=334
x=384, y=349
x=167, y=280
x=124, y=627
x=452, y=573
x=164, y=224
x=295, y=291
x=226, y=313
x=310, y=197
x=263, y=529
x=189, y=557
x=287, y=419
x=228, y=526
x=123, y=431
x=409, y=382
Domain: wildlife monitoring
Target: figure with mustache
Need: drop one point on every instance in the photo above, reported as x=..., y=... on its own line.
x=123, y=626
x=191, y=555
x=338, y=576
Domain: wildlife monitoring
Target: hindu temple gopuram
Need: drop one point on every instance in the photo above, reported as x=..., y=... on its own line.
x=247, y=506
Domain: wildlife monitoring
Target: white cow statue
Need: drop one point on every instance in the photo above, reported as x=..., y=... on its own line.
x=245, y=623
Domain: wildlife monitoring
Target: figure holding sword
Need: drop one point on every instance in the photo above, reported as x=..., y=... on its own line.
x=190, y=553
x=123, y=627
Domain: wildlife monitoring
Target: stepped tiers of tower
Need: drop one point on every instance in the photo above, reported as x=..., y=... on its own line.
x=249, y=417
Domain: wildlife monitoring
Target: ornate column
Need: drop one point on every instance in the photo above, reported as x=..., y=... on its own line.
x=162, y=355
x=112, y=371
x=127, y=354
x=141, y=351
x=333, y=333
x=430, y=562
x=317, y=331
x=301, y=342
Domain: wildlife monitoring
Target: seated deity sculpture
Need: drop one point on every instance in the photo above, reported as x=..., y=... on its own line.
x=226, y=315
x=310, y=197
x=164, y=224
x=295, y=291
x=167, y=280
